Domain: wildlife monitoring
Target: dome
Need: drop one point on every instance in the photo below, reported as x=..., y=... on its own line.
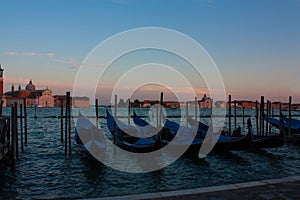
x=30, y=86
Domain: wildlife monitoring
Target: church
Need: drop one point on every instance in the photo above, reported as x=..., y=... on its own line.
x=34, y=97
x=40, y=98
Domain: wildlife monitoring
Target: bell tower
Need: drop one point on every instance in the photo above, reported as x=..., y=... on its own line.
x=1, y=81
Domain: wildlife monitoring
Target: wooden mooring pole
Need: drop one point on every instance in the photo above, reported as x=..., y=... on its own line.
x=13, y=137
x=16, y=128
x=62, y=120
x=186, y=113
x=280, y=110
x=256, y=118
x=234, y=114
x=97, y=112
x=5, y=147
x=66, y=127
x=25, y=120
x=211, y=111
x=160, y=109
x=21, y=127
x=160, y=118
x=128, y=111
x=115, y=115
x=290, y=117
x=196, y=107
x=270, y=109
x=35, y=112
x=243, y=116
x=262, y=106
x=157, y=115
x=68, y=141
x=267, y=121
x=229, y=115
x=281, y=128
x=69, y=122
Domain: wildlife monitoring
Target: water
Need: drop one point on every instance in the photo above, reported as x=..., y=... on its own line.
x=43, y=171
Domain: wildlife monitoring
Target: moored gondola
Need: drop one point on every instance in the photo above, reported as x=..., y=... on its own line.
x=222, y=142
x=90, y=139
x=190, y=136
x=294, y=126
x=130, y=138
x=267, y=141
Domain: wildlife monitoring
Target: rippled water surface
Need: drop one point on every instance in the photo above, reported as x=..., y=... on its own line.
x=43, y=171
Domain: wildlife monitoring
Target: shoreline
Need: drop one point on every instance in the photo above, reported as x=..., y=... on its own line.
x=261, y=187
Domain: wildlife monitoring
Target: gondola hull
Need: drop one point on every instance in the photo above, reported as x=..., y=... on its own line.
x=270, y=141
x=89, y=139
x=239, y=143
x=295, y=126
x=128, y=142
x=136, y=149
x=223, y=143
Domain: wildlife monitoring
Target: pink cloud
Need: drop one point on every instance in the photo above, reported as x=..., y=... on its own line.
x=14, y=53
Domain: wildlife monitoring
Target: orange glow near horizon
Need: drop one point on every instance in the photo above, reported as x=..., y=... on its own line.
x=152, y=92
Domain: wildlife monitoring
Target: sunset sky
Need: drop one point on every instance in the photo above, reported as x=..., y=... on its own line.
x=255, y=44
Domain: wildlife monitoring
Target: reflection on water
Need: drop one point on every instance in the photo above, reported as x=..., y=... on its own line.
x=44, y=170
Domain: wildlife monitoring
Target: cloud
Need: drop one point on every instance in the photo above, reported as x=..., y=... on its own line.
x=14, y=53
x=72, y=62
x=75, y=65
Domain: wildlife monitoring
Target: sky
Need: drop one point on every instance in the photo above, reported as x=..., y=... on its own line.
x=255, y=44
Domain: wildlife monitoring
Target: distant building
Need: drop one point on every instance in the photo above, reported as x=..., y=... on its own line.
x=220, y=104
x=41, y=98
x=76, y=102
x=81, y=102
x=60, y=99
x=172, y=104
x=243, y=104
x=182, y=104
x=34, y=97
x=192, y=104
x=146, y=104
x=205, y=102
x=149, y=103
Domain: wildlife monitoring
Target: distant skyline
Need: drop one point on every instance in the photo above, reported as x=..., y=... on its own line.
x=255, y=44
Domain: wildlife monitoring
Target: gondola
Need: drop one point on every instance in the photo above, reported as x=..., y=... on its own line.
x=201, y=126
x=167, y=134
x=145, y=127
x=89, y=138
x=223, y=143
x=129, y=137
x=267, y=141
x=162, y=132
x=295, y=124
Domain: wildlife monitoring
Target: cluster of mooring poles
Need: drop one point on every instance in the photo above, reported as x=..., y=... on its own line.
x=10, y=128
x=9, y=132
x=65, y=136
x=263, y=112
